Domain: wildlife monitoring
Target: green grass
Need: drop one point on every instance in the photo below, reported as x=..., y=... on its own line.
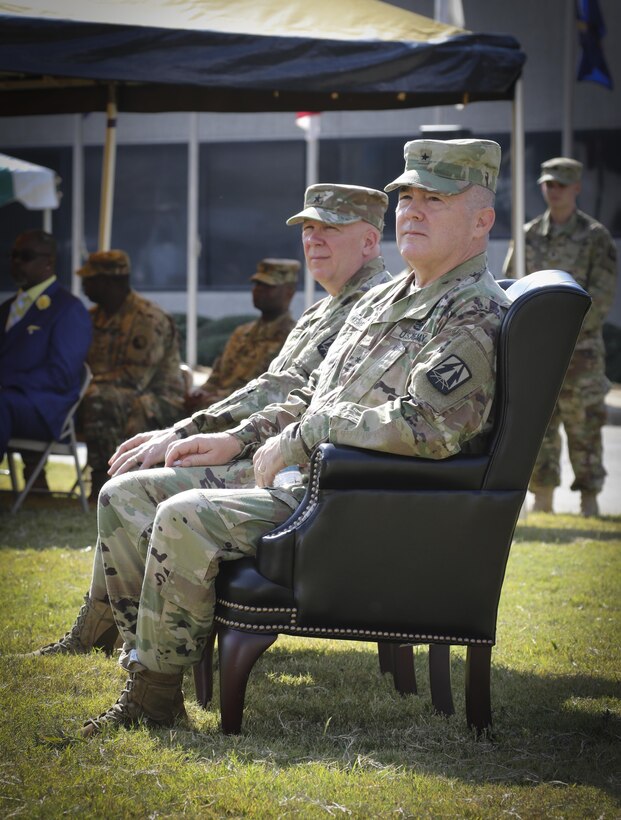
x=325, y=735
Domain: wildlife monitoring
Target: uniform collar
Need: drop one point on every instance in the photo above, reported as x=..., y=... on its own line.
x=430, y=295
x=547, y=226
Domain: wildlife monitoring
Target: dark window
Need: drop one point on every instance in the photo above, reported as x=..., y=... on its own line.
x=150, y=211
x=247, y=192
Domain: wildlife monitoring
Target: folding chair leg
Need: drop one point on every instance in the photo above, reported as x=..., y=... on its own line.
x=33, y=477
x=80, y=477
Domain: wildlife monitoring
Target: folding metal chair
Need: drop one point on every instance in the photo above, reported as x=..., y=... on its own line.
x=65, y=445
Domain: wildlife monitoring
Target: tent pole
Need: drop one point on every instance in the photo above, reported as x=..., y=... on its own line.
x=312, y=176
x=518, y=175
x=47, y=220
x=193, y=244
x=568, y=81
x=107, y=174
x=77, y=197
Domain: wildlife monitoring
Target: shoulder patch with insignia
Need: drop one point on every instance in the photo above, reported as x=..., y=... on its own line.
x=449, y=374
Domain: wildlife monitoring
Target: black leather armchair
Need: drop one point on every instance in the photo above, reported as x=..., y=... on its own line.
x=404, y=550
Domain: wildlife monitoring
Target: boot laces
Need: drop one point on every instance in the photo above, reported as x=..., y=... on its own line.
x=118, y=712
x=70, y=642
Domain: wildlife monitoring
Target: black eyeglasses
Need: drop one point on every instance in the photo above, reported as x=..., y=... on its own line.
x=27, y=255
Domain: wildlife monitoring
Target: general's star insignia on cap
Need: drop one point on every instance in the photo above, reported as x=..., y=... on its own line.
x=320, y=198
x=449, y=374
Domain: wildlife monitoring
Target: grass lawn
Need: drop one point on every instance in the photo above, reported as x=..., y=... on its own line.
x=325, y=735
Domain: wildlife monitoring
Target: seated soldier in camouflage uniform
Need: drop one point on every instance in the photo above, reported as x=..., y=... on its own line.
x=253, y=345
x=341, y=242
x=135, y=360
x=411, y=372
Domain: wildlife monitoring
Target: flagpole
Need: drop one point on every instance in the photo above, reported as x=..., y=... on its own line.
x=567, y=146
x=312, y=177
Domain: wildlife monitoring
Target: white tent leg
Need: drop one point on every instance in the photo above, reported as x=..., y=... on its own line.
x=77, y=213
x=193, y=243
x=312, y=176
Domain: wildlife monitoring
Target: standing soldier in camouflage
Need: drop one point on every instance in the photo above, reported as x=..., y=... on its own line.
x=135, y=361
x=567, y=239
x=341, y=239
x=412, y=371
x=253, y=345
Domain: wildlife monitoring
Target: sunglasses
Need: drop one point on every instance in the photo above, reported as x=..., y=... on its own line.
x=27, y=255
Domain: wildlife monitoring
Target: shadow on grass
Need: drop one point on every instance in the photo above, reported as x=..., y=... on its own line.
x=543, y=725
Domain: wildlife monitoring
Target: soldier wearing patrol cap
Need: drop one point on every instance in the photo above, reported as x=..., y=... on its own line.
x=134, y=358
x=252, y=346
x=341, y=244
x=412, y=371
x=567, y=239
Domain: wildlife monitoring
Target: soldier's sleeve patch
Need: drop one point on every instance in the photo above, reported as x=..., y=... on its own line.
x=449, y=374
x=324, y=346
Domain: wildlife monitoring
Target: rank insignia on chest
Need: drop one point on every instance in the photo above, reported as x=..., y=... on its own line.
x=449, y=374
x=324, y=346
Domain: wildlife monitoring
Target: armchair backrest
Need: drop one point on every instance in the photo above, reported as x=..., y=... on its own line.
x=536, y=342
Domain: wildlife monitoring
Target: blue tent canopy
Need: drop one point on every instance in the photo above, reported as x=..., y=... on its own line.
x=59, y=56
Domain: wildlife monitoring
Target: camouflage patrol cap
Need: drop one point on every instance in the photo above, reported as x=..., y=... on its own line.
x=106, y=263
x=342, y=205
x=276, y=271
x=449, y=166
x=564, y=170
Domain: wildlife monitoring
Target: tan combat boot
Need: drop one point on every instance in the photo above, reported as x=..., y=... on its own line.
x=94, y=628
x=588, y=503
x=149, y=697
x=543, y=499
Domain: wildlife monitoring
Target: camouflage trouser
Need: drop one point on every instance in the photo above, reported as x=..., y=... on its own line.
x=162, y=536
x=109, y=415
x=149, y=488
x=582, y=410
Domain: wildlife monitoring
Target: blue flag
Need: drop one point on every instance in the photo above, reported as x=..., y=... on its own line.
x=591, y=31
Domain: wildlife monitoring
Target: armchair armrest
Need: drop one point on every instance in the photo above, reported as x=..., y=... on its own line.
x=341, y=468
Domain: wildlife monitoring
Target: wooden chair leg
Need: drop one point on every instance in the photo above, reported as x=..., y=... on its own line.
x=203, y=673
x=384, y=654
x=403, y=669
x=478, y=699
x=440, y=678
x=238, y=652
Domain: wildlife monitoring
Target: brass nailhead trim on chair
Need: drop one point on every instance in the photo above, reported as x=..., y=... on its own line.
x=244, y=608
x=314, y=484
x=365, y=633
